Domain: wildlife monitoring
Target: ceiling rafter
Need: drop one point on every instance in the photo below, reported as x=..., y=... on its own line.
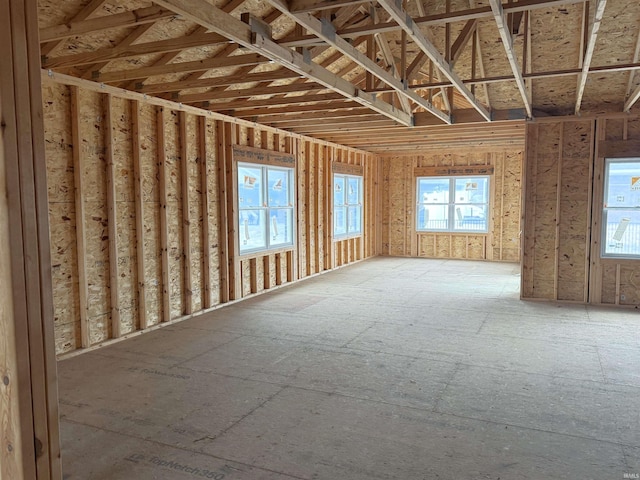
x=248, y=92
x=631, y=93
x=131, y=18
x=623, y=67
x=387, y=56
x=225, y=81
x=407, y=23
x=86, y=12
x=182, y=67
x=239, y=104
x=317, y=107
x=462, y=41
x=125, y=51
x=271, y=119
x=507, y=42
x=167, y=58
x=633, y=98
x=435, y=19
x=588, y=55
x=306, y=6
x=214, y=19
x=326, y=31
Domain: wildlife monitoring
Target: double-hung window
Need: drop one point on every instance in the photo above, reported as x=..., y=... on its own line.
x=453, y=204
x=621, y=208
x=265, y=207
x=347, y=205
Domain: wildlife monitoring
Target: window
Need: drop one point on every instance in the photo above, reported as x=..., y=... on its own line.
x=453, y=204
x=621, y=208
x=347, y=205
x=265, y=207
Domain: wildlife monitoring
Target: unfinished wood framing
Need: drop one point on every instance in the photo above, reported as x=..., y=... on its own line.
x=501, y=243
x=175, y=253
x=563, y=211
x=29, y=428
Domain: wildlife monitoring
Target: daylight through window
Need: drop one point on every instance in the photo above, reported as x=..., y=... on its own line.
x=453, y=204
x=621, y=209
x=347, y=205
x=265, y=204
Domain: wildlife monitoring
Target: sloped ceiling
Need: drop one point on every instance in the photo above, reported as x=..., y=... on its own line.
x=382, y=76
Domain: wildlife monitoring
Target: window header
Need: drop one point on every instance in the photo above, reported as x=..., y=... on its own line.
x=446, y=171
x=263, y=157
x=346, y=169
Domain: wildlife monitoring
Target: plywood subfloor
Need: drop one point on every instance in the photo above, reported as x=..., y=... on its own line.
x=389, y=369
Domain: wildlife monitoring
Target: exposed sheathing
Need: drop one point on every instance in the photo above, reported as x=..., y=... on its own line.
x=612, y=281
x=501, y=243
x=564, y=176
x=62, y=215
x=184, y=160
x=557, y=210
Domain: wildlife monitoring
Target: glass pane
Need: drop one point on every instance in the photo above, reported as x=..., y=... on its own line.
x=281, y=226
x=623, y=184
x=622, y=232
x=252, y=228
x=355, y=220
x=433, y=190
x=433, y=217
x=471, y=218
x=338, y=190
x=472, y=190
x=353, y=197
x=278, y=188
x=339, y=221
x=249, y=186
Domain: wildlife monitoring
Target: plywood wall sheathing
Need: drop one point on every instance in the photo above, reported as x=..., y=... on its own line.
x=564, y=189
x=501, y=243
x=155, y=195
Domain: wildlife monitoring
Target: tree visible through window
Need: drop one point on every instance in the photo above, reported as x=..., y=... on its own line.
x=453, y=204
x=265, y=204
x=621, y=209
x=347, y=205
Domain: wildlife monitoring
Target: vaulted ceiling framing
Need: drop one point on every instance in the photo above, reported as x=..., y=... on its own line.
x=386, y=75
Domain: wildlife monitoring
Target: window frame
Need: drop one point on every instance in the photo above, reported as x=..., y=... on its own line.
x=265, y=207
x=451, y=205
x=346, y=206
x=606, y=209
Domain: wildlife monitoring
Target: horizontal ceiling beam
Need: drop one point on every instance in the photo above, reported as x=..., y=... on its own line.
x=182, y=67
x=314, y=5
x=435, y=19
x=257, y=38
x=224, y=81
x=414, y=32
x=270, y=118
x=248, y=92
x=277, y=101
x=118, y=20
x=623, y=67
x=123, y=52
x=254, y=114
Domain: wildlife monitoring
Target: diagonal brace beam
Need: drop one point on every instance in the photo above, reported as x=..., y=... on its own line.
x=588, y=55
x=409, y=25
x=326, y=31
x=507, y=41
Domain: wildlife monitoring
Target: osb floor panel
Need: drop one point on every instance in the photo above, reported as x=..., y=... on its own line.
x=390, y=369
